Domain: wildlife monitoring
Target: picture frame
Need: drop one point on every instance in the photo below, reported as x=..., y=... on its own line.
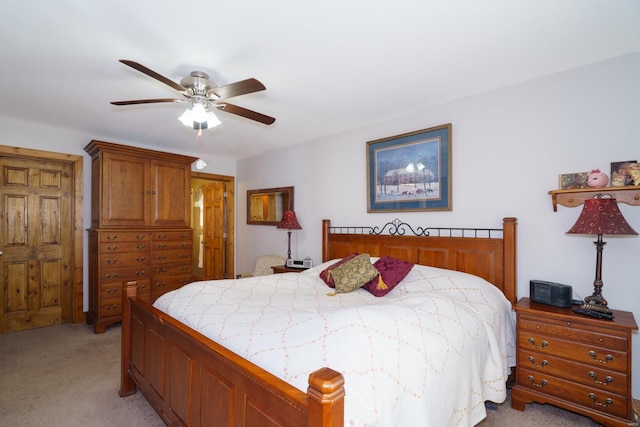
x=411, y=171
x=572, y=181
x=620, y=175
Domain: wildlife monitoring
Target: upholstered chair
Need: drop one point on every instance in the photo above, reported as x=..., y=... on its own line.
x=263, y=266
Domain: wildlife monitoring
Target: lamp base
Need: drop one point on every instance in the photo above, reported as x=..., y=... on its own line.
x=596, y=303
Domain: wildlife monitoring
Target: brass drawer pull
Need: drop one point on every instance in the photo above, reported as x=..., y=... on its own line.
x=112, y=261
x=606, y=403
x=114, y=248
x=141, y=246
x=111, y=276
x=542, y=383
x=113, y=291
x=533, y=343
x=141, y=259
x=606, y=381
x=109, y=237
x=541, y=365
x=607, y=358
x=111, y=307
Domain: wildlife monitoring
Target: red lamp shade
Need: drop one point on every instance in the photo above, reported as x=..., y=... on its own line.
x=601, y=216
x=289, y=221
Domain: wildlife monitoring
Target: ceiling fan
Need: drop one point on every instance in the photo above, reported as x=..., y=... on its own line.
x=202, y=93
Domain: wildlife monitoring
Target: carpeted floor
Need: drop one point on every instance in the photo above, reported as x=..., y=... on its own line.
x=67, y=375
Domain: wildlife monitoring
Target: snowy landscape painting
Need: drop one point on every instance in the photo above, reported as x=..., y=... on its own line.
x=411, y=171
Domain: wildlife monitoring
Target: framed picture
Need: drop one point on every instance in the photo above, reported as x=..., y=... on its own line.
x=571, y=181
x=410, y=172
x=620, y=174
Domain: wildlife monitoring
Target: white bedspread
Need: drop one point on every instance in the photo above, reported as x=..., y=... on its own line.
x=427, y=354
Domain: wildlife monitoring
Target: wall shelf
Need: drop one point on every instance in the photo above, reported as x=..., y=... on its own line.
x=572, y=198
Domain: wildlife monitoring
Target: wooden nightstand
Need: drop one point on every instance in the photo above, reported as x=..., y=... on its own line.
x=284, y=269
x=575, y=362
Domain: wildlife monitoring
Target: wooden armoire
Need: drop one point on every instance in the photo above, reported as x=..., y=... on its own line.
x=140, y=226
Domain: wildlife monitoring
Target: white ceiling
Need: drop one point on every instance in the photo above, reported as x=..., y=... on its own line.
x=329, y=66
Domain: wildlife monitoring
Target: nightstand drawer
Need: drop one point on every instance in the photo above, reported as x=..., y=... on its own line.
x=593, y=376
x=590, y=397
x=585, y=353
x=576, y=331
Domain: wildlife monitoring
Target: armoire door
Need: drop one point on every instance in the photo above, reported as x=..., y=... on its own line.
x=36, y=266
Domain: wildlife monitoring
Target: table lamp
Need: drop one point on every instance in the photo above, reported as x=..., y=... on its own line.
x=600, y=216
x=289, y=222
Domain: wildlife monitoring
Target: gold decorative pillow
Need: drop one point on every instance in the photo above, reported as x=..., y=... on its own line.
x=353, y=274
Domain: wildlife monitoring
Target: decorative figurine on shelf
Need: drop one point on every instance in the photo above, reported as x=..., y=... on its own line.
x=634, y=171
x=597, y=179
x=618, y=179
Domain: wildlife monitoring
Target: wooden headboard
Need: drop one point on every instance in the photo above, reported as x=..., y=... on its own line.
x=485, y=252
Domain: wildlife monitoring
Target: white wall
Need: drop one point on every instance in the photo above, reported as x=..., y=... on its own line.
x=509, y=146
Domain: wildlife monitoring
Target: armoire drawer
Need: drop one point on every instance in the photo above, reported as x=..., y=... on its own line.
x=123, y=236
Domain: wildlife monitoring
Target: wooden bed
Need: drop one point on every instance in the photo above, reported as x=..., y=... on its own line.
x=191, y=380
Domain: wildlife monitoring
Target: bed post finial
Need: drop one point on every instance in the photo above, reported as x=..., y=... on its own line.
x=326, y=398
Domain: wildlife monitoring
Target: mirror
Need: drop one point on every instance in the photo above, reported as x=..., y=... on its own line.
x=266, y=206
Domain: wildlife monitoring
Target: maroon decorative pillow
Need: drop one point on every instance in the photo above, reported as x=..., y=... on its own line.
x=326, y=277
x=392, y=271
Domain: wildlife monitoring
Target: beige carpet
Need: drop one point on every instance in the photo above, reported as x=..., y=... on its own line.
x=67, y=375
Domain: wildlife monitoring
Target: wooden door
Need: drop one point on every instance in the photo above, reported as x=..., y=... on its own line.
x=36, y=267
x=215, y=231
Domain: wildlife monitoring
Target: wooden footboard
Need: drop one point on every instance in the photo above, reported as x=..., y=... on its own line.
x=193, y=381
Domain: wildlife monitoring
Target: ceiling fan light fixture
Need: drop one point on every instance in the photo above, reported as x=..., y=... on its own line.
x=199, y=112
x=199, y=118
x=212, y=120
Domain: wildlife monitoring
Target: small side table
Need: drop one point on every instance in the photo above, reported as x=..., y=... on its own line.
x=277, y=269
x=575, y=362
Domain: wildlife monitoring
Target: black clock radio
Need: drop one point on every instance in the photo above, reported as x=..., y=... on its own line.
x=550, y=293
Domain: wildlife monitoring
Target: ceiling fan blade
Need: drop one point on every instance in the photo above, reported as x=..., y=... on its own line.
x=153, y=74
x=242, y=87
x=249, y=114
x=146, y=101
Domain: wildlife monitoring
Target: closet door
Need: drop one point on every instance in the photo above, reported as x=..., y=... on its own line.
x=35, y=243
